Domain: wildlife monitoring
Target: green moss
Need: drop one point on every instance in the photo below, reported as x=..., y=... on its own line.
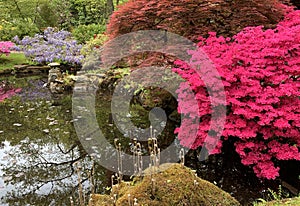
x=97, y=199
x=176, y=185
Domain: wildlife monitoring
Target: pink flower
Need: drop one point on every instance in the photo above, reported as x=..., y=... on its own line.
x=260, y=71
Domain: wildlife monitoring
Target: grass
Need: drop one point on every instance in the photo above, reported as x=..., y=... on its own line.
x=287, y=201
x=277, y=199
x=8, y=62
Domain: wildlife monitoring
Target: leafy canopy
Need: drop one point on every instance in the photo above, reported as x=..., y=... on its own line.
x=191, y=18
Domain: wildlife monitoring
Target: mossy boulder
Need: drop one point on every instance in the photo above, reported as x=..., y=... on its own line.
x=176, y=185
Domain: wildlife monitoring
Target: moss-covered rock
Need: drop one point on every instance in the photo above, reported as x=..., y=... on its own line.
x=177, y=185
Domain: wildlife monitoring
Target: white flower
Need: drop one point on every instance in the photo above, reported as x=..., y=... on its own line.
x=17, y=124
x=46, y=130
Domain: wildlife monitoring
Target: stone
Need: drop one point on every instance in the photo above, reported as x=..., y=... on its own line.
x=54, y=64
x=20, y=67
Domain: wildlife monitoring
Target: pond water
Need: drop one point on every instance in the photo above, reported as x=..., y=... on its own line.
x=41, y=155
x=40, y=150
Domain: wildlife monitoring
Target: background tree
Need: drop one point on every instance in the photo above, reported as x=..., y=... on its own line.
x=110, y=7
x=27, y=17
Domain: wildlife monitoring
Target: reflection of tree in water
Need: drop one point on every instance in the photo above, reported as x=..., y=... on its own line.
x=42, y=174
x=33, y=172
x=42, y=149
x=41, y=152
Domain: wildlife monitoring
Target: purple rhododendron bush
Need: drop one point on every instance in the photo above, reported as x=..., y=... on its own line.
x=51, y=46
x=260, y=71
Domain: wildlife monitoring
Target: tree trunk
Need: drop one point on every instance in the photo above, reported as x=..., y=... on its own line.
x=110, y=7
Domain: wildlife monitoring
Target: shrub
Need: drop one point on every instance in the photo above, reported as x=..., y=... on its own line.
x=94, y=43
x=51, y=46
x=260, y=70
x=84, y=33
x=191, y=19
x=9, y=30
x=84, y=12
x=5, y=47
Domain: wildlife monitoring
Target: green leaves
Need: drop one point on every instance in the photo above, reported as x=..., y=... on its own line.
x=88, y=11
x=84, y=33
x=30, y=16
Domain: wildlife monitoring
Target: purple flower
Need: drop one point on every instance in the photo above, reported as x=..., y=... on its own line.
x=51, y=46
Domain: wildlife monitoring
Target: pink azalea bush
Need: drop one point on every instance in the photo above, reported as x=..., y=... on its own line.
x=5, y=47
x=260, y=71
x=4, y=94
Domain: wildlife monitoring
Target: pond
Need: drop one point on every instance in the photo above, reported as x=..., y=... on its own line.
x=40, y=151
x=43, y=162
x=39, y=148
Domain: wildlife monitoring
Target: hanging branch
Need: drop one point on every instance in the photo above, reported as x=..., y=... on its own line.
x=19, y=10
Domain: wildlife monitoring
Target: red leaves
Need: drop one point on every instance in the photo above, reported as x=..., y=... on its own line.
x=191, y=18
x=261, y=81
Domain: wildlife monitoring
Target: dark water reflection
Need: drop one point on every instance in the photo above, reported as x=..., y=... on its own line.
x=39, y=149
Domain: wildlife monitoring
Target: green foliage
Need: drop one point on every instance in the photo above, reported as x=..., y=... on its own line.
x=84, y=33
x=26, y=17
x=88, y=11
x=74, y=13
x=18, y=9
x=276, y=195
x=274, y=198
x=93, y=44
x=20, y=28
x=47, y=15
x=63, y=14
x=288, y=201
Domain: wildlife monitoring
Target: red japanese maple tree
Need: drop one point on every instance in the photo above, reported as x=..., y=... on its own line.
x=260, y=71
x=191, y=18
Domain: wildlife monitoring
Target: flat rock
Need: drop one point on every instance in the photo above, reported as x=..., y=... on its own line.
x=20, y=67
x=38, y=67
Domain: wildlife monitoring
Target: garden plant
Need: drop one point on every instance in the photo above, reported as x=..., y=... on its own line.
x=260, y=72
x=5, y=47
x=51, y=46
